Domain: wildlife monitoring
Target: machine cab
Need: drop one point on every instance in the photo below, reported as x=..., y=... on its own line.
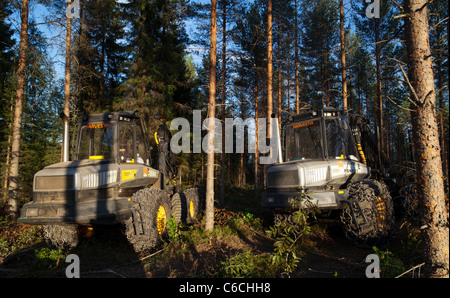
x=117, y=136
x=319, y=135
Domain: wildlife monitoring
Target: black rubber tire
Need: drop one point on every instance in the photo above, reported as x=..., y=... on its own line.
x=141, y=228
x=179, y=207
x=196, y=197
x=61, y=236
x=377, y=205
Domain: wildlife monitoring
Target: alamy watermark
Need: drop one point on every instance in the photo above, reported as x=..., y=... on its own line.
x=73, y=9
x=373, y=269
x=234, y=136
x=373, y=9
x=73, y=270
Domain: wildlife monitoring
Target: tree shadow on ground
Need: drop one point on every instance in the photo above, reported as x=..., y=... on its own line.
x=106, y=254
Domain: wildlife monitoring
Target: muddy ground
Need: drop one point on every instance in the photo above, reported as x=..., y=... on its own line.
x=239, y=232
x=328, y=254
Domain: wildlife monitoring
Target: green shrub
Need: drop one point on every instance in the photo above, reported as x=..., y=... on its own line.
x=390, y=265
x=290, y=233
x=247, y=265
x=46, y=258
x=15, y=236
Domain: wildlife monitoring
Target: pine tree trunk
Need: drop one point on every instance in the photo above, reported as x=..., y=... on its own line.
x=15, y=147
x=256, y=135
x=430, y=186
x=344, y=70
x=327, y=72
x=224, y=96
x=280, y=88
x=269, y=69
x=65, y=152
x=297, y=84
x=444, y=156
x=8, y=155
x=379, y=90
x=209, y=213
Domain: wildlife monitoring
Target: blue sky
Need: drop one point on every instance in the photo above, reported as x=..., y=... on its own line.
x=52, y=33
x=55, y=34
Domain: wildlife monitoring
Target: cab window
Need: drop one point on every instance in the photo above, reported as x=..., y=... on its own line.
x=132, y=147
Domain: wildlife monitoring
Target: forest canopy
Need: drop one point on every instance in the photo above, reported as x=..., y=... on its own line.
x=153, y=56
x=385, y=60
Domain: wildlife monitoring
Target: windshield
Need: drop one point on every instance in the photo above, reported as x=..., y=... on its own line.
x=339, y=139
x=335, y=139
x=129, y=151
x=96, y=141
x=303, y=141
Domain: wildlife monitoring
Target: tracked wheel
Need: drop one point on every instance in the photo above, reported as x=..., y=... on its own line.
x=179, y=207
x=150, y=212
x=61, y=236
x=195, y=201
x=368, y=216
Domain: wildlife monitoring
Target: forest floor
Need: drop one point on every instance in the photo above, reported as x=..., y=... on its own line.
x=238, y=247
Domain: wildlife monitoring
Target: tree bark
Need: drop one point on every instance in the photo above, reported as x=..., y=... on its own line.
x=15, y=147
x=430, y=186
x=379, y=90
x=209, y=212
x=256, y=136
x=224, y=96
x=297, y=84
x=440, y=96
x=8, y=155
x=279, y=79
x=64, y=155
x=344, y=70
x=269, y=68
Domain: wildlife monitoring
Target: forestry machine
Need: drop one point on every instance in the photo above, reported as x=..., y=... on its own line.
x=110, y=181
x=326, y=165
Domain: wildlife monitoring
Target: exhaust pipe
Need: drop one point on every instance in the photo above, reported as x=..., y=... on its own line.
x=65, y=143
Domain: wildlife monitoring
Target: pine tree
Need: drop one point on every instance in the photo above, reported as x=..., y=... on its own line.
x=269, y=67
x=320, y=36
x=430, y=185
x=343, y=54
x=439, y=50
x=67, y=85
x=251, y=66
x=362, y=71
x=379, y=35
x=6, y=44
x=6, y=91
x=209, y=212
x=284, y=17
x=41, y=126
x=16, y=134
x=99, y=55
x=158, y=79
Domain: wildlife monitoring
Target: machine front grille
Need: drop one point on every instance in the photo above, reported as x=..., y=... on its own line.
x=48, y=197
x=283, y=178
x=54, y=182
